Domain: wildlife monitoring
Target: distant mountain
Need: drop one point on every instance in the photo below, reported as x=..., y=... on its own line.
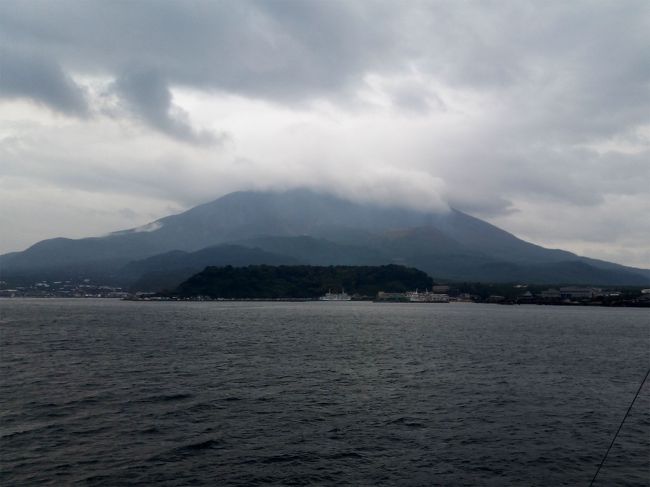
x=166, y=271
x=306, y=227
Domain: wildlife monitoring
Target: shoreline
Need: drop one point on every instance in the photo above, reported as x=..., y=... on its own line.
x=316, y=300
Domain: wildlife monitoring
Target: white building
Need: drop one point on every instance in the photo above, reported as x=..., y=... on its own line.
x=574, y=292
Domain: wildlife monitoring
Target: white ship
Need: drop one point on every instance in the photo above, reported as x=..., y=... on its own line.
x=426, y=297
x=330, y=296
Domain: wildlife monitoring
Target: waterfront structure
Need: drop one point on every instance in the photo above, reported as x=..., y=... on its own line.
x=426, y=297
x=413, y=297
x=550, y=294
x=330, y=296
x=574, y=292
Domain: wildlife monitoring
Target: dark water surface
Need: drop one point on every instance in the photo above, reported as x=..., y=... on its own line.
x=104, y=392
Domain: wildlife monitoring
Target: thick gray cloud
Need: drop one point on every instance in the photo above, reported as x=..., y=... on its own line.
x=40, y=79
x=578, y=68
x=285, y=51
x=149, y=97
x=504, y=109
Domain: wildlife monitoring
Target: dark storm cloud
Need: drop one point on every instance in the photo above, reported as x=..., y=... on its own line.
x=283, y=51
x=148, y=96
x=41, y=80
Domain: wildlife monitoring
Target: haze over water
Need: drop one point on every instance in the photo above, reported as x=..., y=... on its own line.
x=107, y=392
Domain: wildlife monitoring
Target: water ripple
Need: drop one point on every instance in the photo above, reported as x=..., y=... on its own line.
x=110, y=393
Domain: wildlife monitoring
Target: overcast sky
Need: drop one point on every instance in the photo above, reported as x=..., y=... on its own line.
x=532, y=115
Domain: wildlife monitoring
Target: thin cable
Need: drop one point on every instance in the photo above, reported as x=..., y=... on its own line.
x=619, y=427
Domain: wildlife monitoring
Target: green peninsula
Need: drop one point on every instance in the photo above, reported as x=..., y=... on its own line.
x=300, y=281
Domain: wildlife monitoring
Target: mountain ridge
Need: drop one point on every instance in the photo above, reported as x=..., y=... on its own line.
x=450, y=245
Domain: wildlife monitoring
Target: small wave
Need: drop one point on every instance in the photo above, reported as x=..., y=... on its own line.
x=164, y=398
x=343, y=455
x=203, y=445
x=288, y=458
x=187, y=450
x=40, y=405
x=407, y=422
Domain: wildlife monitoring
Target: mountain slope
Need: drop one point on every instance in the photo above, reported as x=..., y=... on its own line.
x=323, y=229
x=319, y=251
x=166, y=271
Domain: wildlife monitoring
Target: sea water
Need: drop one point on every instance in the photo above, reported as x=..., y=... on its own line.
x=106, y=392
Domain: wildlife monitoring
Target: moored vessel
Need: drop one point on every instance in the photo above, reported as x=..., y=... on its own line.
x=330, y=296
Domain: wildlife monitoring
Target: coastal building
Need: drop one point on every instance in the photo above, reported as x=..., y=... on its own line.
x=466, y=298
x=550, y=294
x=612, y=294
x=574, y=292
x=526, y=298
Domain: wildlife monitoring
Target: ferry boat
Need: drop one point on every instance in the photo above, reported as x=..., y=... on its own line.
x=330, y=296
x=426, y=297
